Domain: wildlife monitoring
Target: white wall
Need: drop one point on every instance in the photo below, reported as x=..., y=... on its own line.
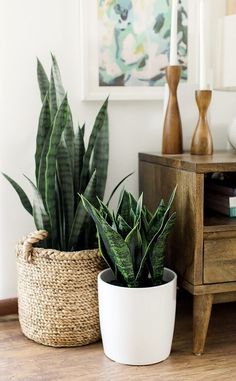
x=30, y=28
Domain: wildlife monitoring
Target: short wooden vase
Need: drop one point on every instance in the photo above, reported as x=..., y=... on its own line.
x=202, y=140
x=172, y=140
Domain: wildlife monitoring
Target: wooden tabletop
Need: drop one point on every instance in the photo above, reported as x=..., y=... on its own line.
x=220, y=161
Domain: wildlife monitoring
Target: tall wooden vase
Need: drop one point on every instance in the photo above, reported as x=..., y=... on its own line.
x=202, y=140
x=172, y=140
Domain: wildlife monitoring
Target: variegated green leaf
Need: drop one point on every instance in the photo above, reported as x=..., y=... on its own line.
x=69, y=137
x=41, y=218
x=65, y=176
x=99, y=123
x=22, y=195
x=80, y=215
x=83, y=130
x=138, y=209
x=125, y=208
x=152, y=242
x=147, y=214
x=134, y=241
x=122, y=227
x=61, y=241
x=42, y=80
x=55, y=138
x=157, y=251
x=157, y=219
x=56, y=90
x=114, y=244
x=44, y=126
x=160, y=216
x=105, y=254
x=42, y=168
x=100, y=158
x=116, y=187
x=78, y=158
x=105, y=212
x=117, y=274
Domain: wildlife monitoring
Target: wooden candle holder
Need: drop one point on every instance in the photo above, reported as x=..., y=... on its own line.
x=172, y=141
x=202, y=140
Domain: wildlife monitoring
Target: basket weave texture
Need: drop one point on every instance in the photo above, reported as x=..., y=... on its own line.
x=57, y=293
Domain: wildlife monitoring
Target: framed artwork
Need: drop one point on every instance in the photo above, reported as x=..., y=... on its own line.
x=125, y=47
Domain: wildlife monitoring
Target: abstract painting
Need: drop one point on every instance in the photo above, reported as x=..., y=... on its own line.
x=125, y=47
x=134, y=41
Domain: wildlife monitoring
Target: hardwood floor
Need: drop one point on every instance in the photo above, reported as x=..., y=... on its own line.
x=24, y=360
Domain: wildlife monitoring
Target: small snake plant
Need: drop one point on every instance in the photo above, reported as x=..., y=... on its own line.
x=64, y=167
x=133, y=240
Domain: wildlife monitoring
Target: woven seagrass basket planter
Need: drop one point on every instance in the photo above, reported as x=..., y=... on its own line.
x=57, y=294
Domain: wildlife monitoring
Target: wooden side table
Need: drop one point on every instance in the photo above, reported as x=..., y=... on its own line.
x=203, y=245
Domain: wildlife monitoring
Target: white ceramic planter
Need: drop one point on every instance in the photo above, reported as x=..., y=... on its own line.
x=137, y=324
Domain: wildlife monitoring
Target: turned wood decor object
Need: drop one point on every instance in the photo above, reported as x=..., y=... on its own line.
x=202, y=141
x=172, y=141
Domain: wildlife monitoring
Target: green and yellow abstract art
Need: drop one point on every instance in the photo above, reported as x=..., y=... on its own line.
x=134, y=41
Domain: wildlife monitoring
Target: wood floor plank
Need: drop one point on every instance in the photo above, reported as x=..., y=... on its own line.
x=24, y=360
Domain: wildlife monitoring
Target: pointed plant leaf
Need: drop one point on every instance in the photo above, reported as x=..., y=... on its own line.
x=117, y=186
x=60, y=92
x=78, y=157
x=22, y=195
x=56, y=90
x=157, y=251
x=134, y=241
x=122, y=227
x=105, y=212
x=81, y=214
x=42, y=80
x=55, y=138
x=52, y=98
x=99, y=123
x=105, y=255
x=83, y=130
x=157, y=219
x=154, y=225
x=65, y=176
x=114, y=244
x=61, y=241
x=41, y=218
x=148, y=251
x=117, y=274
x=100, y=157
x=44, y=126
x=125, y=208
x=139, y=207
x=69, y=137
x=42, y=168
x=148, y=214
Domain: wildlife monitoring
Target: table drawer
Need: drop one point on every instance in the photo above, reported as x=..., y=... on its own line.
x=219, y=260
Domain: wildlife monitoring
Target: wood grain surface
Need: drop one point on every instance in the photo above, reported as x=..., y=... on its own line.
x=8, y=306
x=202, y=143
x=172, y=139
x=220, y=161
x=24, y=360
x=231, y=7
x=186, y=242
x=219, y=268
x=202, y=249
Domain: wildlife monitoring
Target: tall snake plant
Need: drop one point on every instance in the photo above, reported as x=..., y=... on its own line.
x=64, y=168
x=133, y=240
